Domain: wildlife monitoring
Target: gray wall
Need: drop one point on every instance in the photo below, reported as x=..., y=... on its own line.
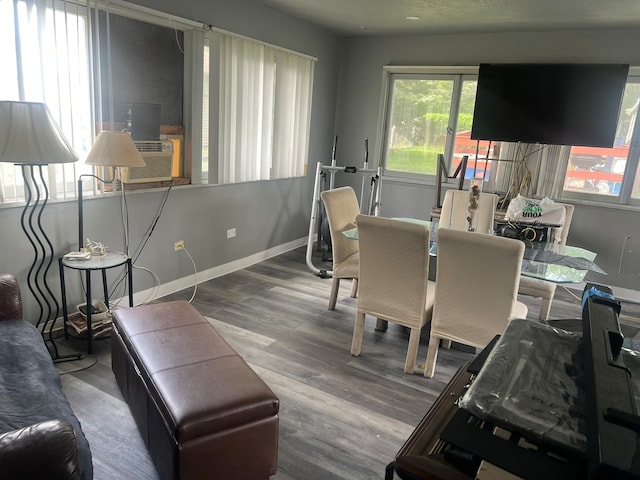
x=600, y=229
x=265, y=214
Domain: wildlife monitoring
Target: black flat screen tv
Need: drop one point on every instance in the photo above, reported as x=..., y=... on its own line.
x=559, y=104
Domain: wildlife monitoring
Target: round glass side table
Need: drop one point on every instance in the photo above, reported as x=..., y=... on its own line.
x=101, y=263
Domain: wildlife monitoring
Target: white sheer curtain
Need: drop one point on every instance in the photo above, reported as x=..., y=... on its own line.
x=247, y=80
x=45, y=58
x=294, y=85
x=265, y=107
x=552, y=161
x=531, y=170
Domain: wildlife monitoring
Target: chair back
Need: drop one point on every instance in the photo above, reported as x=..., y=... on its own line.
x=394, y=268
x=342, y=208
x=476, y=285
x=568, y=216
x=454, y=211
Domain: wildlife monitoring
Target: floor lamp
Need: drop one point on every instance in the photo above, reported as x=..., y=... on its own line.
x=30, y=137
x=111, y=149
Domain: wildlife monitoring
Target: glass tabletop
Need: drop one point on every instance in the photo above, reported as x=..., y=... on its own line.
x=558, y=263
x=109, y=260
x=544, y=261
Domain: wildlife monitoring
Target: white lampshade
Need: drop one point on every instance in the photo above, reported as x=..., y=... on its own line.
x=115, y=149
x=29, y=135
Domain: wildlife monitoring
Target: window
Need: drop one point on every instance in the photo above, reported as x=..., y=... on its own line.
x=72, y=58
x=141, y=85
x=609, y=174
x=429, y=110
x=420, y=116
x=85, y=65
x=429, y=114
x=265, y=111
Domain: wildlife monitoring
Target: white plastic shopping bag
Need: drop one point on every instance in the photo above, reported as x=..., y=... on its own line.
x=529, y=210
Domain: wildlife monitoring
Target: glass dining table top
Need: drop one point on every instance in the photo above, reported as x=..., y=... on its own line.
x=545, y=261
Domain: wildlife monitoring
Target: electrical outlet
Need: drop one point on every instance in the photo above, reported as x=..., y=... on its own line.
x=179, y=245
x=231, y=233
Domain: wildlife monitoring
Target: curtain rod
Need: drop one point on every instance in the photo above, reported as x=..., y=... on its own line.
x=149, y=15
x=138, y=12
x=270, y=45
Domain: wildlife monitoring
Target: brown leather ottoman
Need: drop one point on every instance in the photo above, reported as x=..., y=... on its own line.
x=202, y=411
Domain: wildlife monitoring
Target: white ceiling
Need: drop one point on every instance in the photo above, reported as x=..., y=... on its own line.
x=389, y=17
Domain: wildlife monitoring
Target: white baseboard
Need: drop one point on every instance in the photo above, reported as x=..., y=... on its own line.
x=188, y=282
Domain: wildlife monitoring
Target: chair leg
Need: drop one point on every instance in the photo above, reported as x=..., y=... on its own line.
x=432, y=356
x=358, y=332
x=354, y=288
x=446, y=344
x=412, y=351
x=545, y=309
x=381, y=325
x=333, y=297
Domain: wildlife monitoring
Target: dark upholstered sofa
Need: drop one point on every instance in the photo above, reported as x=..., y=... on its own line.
x=40, y=436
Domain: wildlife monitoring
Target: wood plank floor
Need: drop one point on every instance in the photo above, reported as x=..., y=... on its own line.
x=341, y=417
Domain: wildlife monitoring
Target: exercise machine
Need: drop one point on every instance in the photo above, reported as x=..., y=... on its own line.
x=373, y=176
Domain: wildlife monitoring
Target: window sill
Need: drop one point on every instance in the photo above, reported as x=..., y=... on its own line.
x=148, y=185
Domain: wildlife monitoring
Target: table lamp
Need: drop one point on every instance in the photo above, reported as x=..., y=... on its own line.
x=30, y=137
x=111, y=149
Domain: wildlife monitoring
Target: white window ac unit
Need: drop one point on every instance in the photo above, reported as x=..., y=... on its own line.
x=158, y=156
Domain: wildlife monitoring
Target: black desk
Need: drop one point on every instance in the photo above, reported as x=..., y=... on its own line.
x=546, y=404
x=102, y=263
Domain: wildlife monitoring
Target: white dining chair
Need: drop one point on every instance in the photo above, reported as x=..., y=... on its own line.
x=454, y=211
x=393, y=279
x=342, y=208
x=476, y=289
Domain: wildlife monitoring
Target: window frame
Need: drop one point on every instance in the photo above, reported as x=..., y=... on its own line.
x=389, y=74
x=192, y=75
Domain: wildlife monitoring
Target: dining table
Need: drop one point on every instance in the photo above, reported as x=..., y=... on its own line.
x=561, y=264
